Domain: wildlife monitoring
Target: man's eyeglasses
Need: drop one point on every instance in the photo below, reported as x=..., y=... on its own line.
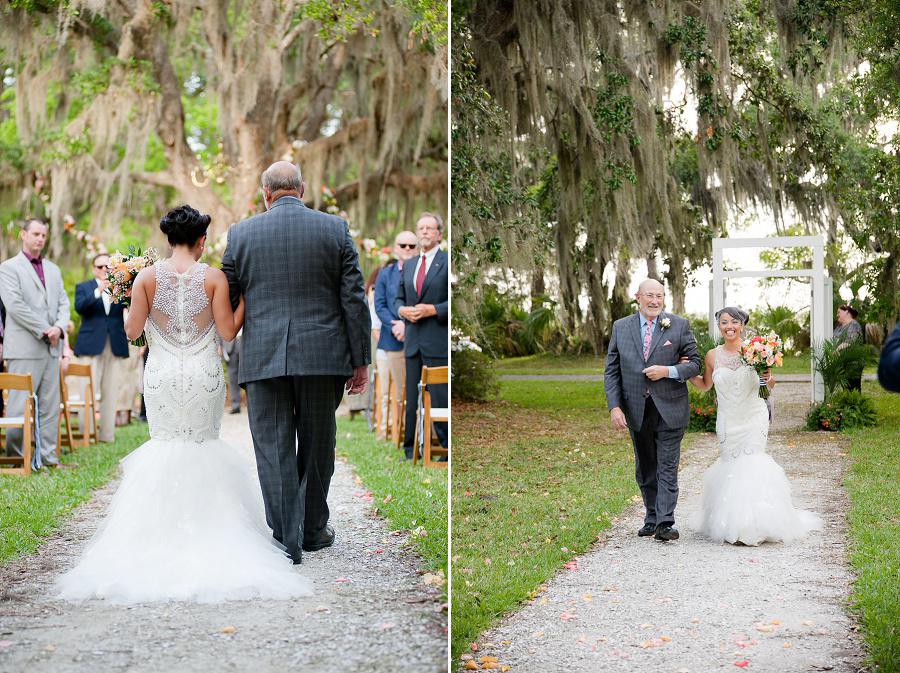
x=99, y=266
x=408, y=246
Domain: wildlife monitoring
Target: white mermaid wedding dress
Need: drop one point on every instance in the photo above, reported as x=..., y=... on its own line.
x=746, y=496
x=186, y=522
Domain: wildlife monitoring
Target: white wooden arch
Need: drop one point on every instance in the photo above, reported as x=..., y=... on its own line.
x=821, y=295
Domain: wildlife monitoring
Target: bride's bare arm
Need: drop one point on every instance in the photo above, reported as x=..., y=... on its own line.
x=704, y=382
x=144, y=287
x=228, y=322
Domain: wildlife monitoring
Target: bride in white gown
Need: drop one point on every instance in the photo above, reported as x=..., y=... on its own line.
x=746, y=497
x=186, y=522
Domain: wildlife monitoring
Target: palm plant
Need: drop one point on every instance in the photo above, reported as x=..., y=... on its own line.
x=838, y=366
x=784, y=321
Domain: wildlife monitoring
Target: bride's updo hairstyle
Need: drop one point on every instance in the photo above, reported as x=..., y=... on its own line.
x=734, y=312
x=184, y=225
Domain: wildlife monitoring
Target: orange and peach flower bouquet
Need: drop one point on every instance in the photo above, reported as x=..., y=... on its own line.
x=762, y=353
x=122, y=269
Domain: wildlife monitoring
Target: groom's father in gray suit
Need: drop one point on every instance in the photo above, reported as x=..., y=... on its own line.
x=37, y=315
x=646, y=392
x=305, y=340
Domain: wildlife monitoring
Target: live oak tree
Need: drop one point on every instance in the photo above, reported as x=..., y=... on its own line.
x=127, y=107
x=604, y=133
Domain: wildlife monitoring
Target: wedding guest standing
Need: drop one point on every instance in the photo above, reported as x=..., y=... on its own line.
x=37, y=313
x=849, y=331
x=889, y=362
x=390, y=339
x=422, y=298
x=101, y=338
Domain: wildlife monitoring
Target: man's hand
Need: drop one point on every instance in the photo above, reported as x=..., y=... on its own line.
x=398, y=329
x=617, y=416
x=656, y=372
x=417, y=312
x=54, y=334
x=356, y=384
x=102, y=284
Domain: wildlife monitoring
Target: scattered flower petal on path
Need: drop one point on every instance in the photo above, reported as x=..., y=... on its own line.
x=566, y=616
x=743, y=663
x=227, y=629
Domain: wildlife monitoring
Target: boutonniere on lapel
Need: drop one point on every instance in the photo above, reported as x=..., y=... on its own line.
x=664, y=323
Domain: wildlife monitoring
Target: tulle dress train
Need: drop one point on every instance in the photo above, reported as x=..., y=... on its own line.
x=746, y=496
x=187, y=520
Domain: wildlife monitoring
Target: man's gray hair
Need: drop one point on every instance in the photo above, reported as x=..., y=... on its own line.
x=282, y=177
x=437, y=218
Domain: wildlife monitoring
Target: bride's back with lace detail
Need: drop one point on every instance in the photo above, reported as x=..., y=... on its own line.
x=184, y=387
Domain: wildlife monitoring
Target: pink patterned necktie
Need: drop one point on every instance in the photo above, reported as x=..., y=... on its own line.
x=648, y=337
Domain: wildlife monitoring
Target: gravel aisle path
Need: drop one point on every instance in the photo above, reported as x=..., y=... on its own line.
x=636, y=604
x=371, y=609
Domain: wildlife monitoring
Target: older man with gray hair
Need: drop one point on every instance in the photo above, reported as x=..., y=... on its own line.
x=305, y=341
x=423, y=303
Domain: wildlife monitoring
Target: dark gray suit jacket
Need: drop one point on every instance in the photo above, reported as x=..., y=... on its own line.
x=305, y=307
x=429, y=336
x=624, y=383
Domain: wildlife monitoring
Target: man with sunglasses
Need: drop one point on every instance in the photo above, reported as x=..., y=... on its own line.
x=393, y=329
x=101, y=338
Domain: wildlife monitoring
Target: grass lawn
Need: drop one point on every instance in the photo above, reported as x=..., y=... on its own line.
x=32, y=507
x=873, y=484
x=416, y=496
x=537, y=475
x=546, y=364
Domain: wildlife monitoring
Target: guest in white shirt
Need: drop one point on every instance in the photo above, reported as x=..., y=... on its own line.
x=102, y=338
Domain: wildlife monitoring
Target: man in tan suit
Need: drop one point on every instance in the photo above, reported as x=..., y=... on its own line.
x=37, y=314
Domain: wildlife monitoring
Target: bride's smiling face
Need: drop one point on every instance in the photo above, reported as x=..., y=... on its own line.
x=730, y=327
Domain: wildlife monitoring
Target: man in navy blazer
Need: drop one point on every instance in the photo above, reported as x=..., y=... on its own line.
x=393, y=328
x=889, y=362
x=102, y=338
x=422, y=301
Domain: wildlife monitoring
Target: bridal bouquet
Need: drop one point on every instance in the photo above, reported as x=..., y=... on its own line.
x=762, y=353
x=123, y=268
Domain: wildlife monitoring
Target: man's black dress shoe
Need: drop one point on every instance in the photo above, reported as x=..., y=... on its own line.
x=322, y=540
x=648, y=530
x=665, y=533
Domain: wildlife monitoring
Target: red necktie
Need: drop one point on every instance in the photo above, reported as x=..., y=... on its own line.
x=420, y=277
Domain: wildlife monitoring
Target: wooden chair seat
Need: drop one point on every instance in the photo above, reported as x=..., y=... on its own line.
x=19, y=464
x=72, y=403
x=426, y=415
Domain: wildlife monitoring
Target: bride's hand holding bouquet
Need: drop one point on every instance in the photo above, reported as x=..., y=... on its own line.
x=123, y=268
x=761, y=354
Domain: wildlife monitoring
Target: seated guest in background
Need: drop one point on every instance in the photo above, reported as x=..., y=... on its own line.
x=889, y=362
x=422, y=302
x=101, y=337
x=37, y=314
x=848, y=331
x=390, y=339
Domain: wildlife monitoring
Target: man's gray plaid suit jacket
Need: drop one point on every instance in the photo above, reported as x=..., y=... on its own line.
x=306, y=311
x=626, y=386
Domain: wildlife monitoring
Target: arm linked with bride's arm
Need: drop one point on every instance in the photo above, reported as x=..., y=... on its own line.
x=705, y=381
x=228, y=322
x=688, y=349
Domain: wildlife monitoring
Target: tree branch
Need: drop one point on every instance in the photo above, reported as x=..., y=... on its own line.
x=161, y=179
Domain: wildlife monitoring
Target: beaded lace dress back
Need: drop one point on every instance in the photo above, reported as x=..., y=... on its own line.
x=184, y=387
